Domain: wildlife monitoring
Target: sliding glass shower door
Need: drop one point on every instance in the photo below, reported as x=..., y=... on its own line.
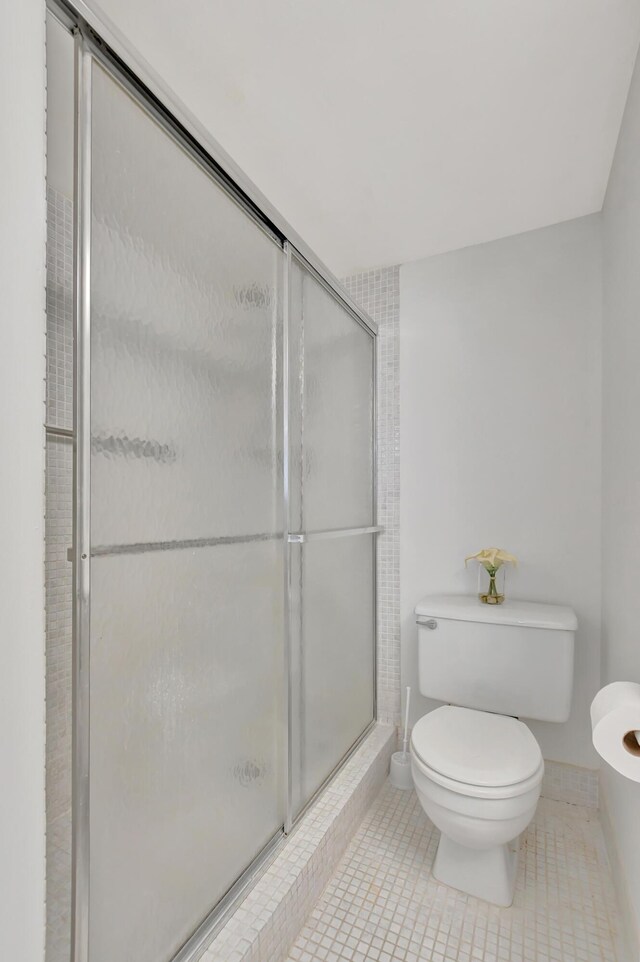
x=224, y=542
x=186, y=656
x=331, y=519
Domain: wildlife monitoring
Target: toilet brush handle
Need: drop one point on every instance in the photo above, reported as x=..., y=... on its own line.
x=406, y=721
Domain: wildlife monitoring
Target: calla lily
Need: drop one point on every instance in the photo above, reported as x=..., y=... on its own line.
x=492, y=558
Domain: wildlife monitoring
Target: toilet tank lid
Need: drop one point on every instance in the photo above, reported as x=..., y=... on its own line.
x=530, y=614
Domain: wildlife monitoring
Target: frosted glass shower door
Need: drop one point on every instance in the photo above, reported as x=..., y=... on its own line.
x=332, y=549
x=186, y=624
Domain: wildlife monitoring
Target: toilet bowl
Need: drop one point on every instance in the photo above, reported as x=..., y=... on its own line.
x=478, y=776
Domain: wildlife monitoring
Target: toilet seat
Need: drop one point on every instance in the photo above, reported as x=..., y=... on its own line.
x=476, y=753
x=468, y=791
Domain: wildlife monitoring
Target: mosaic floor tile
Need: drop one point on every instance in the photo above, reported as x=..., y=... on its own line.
x=383, y=905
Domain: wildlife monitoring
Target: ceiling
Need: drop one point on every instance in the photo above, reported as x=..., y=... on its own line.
x=386, y=131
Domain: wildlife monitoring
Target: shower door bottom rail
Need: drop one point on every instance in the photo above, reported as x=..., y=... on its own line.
x=220, y=913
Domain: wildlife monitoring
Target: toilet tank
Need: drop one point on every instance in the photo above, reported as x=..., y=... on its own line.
x=512, y=659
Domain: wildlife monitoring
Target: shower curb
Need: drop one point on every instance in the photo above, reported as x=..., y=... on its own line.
x=268, y=920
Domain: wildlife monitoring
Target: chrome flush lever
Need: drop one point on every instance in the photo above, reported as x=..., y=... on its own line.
x=429, y=623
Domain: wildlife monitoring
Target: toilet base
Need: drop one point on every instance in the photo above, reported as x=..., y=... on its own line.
x=486, y=873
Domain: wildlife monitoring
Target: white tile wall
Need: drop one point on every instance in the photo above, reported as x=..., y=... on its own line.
x=383, y=905
x=263, y=928
x=58, y=940
x=568, y=783
x=58, y=587
x=58, y=573
x=378, y=293
x=59, y=309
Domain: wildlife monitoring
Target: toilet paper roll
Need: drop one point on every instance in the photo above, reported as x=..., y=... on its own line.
x=615, y=723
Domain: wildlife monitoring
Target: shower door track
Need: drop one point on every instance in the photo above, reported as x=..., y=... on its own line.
x=112, y=47
x=97, y=40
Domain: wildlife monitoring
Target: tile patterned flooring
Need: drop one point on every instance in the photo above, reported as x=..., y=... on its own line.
x=383, y=905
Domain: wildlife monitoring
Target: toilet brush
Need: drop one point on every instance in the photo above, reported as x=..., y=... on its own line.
x=406, y=722
x=400, y=770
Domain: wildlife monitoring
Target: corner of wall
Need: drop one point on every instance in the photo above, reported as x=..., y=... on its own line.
x=629, y=936
x=620, y=798
x=378, y=293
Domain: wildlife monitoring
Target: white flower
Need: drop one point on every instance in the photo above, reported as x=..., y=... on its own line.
x=492, y=558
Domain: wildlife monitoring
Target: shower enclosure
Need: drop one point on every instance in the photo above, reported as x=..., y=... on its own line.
x=224, y=522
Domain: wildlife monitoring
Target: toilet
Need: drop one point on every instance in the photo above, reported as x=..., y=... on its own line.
x=476, y=766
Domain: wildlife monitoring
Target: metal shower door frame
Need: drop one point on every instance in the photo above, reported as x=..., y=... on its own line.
x=135, y=77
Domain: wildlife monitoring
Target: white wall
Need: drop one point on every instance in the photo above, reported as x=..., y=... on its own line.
x=621, y=471
x=22, y=239
x=500, y=431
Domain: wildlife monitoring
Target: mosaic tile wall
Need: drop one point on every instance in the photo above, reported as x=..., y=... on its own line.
x=378, y=293
x=58, y=572
x=58, y=522
x=59, y=309
x=568, y=783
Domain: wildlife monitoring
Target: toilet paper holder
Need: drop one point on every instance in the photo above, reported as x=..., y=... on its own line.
x=631, y=742
x=615, y=726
